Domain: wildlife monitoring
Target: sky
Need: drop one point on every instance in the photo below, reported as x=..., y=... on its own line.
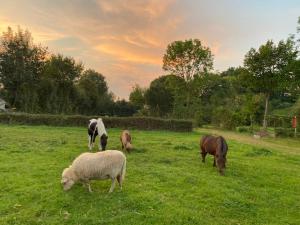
x=126, y=40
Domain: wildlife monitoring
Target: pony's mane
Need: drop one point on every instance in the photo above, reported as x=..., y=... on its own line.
x=92, y=121
x=101, y=127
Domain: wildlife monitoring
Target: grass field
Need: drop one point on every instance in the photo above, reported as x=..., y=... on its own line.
x=166, y=183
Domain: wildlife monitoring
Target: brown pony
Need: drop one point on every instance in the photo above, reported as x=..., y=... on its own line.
x=125, y=139
x=217, y=147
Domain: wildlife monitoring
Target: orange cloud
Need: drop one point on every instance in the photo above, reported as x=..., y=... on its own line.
x=127, y=55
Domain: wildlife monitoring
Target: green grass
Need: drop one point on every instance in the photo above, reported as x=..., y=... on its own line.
x=166, y=183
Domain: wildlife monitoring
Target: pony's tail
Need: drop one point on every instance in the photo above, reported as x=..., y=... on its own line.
x=224, y=145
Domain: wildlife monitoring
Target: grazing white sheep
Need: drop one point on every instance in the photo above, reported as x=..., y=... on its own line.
x=95, y=166
x=125, y=139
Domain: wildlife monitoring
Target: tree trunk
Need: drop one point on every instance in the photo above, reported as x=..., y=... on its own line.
x=266, y=111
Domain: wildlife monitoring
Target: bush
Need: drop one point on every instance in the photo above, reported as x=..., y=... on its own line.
x=244, y=129
x=142, y=123
x=285, y=132
x=225, y=118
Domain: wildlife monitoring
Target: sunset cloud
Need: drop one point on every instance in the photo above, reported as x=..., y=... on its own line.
x=126, y=40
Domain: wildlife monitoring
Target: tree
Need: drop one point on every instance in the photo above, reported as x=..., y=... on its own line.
x=21, y=64
x=123, y=108
x=137, y=97
x=93, y=96
x=268, y=69
x=159, y=97
x=187, y=58
x=57, y=92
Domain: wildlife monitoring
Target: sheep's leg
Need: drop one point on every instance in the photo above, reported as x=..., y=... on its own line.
x=214, y=165
x=86, y=183
x=119, y=179
x=112, y=187
x=89, y=186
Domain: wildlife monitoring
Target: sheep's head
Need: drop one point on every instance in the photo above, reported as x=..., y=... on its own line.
x=67, y=179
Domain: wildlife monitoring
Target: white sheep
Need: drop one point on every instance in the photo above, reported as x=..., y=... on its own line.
x=95, y=166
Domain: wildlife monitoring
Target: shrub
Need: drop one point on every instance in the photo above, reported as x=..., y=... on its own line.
x=142, y=123
x=285, y=132
x=226, y=118
x=244, y=129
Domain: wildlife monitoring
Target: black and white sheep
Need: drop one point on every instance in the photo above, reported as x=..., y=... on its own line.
x=110, y=164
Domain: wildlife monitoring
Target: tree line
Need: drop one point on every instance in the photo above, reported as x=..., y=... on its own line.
x=33, y=80
x=269, y=80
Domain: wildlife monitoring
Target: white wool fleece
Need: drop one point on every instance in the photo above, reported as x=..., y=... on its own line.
x=99, y=165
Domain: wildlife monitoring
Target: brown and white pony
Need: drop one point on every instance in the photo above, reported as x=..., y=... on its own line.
x=217, y=147
x=96, y=127
x=125, y=139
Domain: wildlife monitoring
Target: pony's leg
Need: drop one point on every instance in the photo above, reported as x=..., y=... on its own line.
x=112, y=187
x=214, y=165
x=93, y=141
x=203, y=156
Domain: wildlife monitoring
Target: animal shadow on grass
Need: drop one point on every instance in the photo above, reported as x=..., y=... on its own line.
x=182, y=147
x=259, y=152
x=167, y=143
x=165, y=161
x=139, y=150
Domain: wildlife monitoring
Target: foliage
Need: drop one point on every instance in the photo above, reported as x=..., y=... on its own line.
x=123, y=108
x=93, y=96
x=268, y=68
x=281, y=121
x=244, y=129
x=143, y=123
x=137, y=97
x=285, y=132
x=159, y=97
x=21, y=63
x=57, y=86
x=33, y=81
x=187, y=58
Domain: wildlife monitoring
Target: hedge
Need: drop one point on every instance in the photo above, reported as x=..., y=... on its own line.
x=285, y=132
x=142, y=123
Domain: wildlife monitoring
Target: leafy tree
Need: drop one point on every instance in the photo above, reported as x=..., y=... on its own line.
x=187, y=58
x=268, y=69
x=137, y=97
x=159, y=98
x=123, y=108
x=57, y=88
x=21, y=63
x=93, y=93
